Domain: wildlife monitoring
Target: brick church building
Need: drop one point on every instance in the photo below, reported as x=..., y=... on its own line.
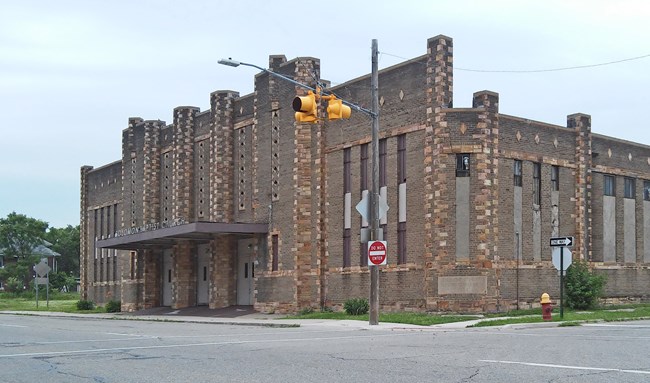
x=241, y=205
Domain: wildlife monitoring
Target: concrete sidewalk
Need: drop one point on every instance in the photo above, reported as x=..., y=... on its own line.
x=247, y=317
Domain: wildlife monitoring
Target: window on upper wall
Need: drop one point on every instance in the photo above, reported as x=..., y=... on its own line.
x=517, y=173
x=462, y=165
x=629, y=187
x=555, y=178
x=609, y=185
x=646, y=190
x=537, y=183
x=275, y=254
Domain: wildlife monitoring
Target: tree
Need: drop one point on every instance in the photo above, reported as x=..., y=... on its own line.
x=19, y=235
x=65, y=241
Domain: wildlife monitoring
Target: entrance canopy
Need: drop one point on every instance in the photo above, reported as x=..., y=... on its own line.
x=168, y=236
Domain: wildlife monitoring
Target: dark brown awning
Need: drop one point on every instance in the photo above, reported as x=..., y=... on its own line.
x=166, y=237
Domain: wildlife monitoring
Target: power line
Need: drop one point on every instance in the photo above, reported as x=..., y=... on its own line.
x=538, y=70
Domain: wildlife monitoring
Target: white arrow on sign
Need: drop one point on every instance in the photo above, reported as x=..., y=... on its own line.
x=562, y=241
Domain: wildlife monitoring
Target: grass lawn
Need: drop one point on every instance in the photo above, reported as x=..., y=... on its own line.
x=608, y=314
x=58, y=303
x=571, y=317
x=421, y=319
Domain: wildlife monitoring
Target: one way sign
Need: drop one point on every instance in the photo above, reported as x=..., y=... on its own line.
x=562, y=241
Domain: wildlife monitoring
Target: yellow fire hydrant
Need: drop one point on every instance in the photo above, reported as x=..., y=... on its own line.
x=547, y=308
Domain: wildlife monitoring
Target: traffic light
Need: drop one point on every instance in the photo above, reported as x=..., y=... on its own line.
x=305, y=107
x=336, y=110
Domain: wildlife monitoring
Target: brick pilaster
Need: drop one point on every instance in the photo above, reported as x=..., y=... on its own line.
x=86, y=252
x=223, y=272
x=151, y=171
x=581, y=123
x=221, y=156
x=151, y=294
x=437, y=167
x=184, y=280
x=306, y=172
x=129, y=219
x=183, y=163
x=485, y=201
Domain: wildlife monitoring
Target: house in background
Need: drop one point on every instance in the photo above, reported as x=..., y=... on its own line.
x=43, y=251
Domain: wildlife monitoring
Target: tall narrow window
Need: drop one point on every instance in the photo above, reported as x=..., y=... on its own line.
x=517, y=173
x=537, y=183
x=609, y=186
x=401, y=159
x=555, y=178
x=462, y=165
x=383, y=223
x=646, y=190
x=275, y=262
x=347, y=188
x=629, y=187
x=401, y=184
x=363, y=189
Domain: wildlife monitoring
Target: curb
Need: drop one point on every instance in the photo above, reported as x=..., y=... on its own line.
x=50, y=314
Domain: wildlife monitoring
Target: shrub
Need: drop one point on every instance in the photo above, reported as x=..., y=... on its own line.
x=85, y=305
x=583, y=288
x=13, y=285
x=113, y=306
x=306, y=311
x=356, y=306
x=326, y=309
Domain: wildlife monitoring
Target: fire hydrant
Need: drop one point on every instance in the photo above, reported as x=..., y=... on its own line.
x=547, y=308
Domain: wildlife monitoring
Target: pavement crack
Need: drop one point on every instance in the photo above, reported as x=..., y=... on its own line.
x=469, y=378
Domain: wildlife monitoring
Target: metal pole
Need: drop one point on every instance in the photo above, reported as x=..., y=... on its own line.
x=562, y=282
x=374, y=195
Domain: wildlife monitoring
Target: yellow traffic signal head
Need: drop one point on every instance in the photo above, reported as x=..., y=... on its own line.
x=305, y=107
x=336, y=110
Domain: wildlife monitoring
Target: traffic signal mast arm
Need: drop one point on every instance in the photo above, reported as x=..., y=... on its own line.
x=235, y=63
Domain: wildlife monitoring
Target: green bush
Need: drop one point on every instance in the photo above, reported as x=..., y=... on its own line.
x=583, y=288
x=307, y=311
x=85, y=305
x=13, y=285
x=113, y=306
x=356, y=306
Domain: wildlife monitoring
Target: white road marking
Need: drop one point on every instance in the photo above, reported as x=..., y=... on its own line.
x=558, y=334
x=12, y=325
x=100, y=350
x=615, y=325
x=567, y=367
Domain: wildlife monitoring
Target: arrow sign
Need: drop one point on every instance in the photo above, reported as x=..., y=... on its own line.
x=562, y=241
x=363, y=207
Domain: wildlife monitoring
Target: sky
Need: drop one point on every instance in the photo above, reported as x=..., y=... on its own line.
x=73, y=71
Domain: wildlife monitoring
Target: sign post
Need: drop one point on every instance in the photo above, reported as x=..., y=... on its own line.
x=42, y=276
x=562, y=242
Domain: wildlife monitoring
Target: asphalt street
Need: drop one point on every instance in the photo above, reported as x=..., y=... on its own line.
x=51, y=349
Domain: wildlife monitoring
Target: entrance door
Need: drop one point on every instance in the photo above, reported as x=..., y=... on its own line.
x=203, y=277
x=245, y=272
x=167, y=278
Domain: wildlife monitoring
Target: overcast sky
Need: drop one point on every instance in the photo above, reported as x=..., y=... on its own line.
x=73, y=71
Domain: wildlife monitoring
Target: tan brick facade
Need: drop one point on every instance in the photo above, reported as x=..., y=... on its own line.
x=477, y=231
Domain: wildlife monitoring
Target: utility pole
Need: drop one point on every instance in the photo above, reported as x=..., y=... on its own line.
x=375, y=233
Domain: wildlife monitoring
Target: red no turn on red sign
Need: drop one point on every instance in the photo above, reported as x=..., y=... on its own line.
x=377, y=253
